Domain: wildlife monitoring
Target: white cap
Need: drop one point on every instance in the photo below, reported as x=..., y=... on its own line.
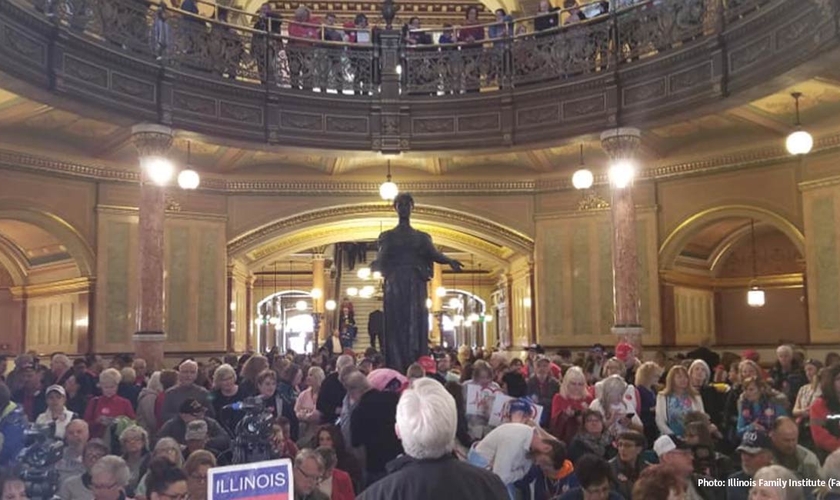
x=664, y=445
x=56, y=388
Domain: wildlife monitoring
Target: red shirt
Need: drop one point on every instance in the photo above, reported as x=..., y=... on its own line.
x=342, y=486
x=102, y=406
x=824, y=439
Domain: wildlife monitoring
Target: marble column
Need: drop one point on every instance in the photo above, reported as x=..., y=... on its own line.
x=231, y=309
x=621, y=145
x=249, y=313
x=318, y=283
x=151, y=141
x=437, y=304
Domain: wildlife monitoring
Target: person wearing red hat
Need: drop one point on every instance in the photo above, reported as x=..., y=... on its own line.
x=430, y=367
x=626, y=353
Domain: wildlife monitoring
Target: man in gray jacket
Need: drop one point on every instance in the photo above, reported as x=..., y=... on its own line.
x=191, y=411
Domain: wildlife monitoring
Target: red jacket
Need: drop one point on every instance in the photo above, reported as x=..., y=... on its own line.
x=342, y=486
x=559, y=404
x=822, y=437
x=113, y=407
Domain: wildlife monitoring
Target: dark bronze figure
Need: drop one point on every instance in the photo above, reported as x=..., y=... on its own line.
x=405, y=259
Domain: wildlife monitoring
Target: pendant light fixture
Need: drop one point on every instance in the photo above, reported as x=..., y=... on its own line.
x=799, y=142
x=388, y=190
x=755, y=295
x=189, y=178
x=583, y=177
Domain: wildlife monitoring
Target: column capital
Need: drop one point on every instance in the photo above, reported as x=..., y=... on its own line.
x=621, y=143
x=151, y=139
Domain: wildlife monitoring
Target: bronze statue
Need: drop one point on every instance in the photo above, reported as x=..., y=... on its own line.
x=405, y=260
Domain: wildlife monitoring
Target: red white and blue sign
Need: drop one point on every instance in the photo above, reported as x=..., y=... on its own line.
x=271, y=480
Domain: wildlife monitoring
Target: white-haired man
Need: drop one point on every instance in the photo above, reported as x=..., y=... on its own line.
x=426, y=423
x=184, y=390
x=332, y=392
x=787, y=375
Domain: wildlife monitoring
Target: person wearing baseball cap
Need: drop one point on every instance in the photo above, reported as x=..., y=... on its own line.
x=57, y=415
x=193, y=411
x=756, y=451
x=196, y=438
x=676, y=453
x=542, y=387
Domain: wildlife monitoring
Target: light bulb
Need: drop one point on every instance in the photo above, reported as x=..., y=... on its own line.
x=583, y=179
x=388, y=191
x=526, y=302
x=159, y=169
x=316, y=293
x=472, y=318
x=440, y=291
x=258, y=321
x=363, y=273
x=799, y=143
x=457, y=320
x=755, y=297
x=454, y=303
x=488, y=318
x=467, y=323
x=331, y=305
x=301, y=305
x=352, y=291
x=188, y=179
x=377, y=275
x=274, y=320
x=428, y=303
x=621, y=174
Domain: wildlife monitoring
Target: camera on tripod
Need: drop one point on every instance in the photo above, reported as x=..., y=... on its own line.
x=37, y=463
x=252, y=442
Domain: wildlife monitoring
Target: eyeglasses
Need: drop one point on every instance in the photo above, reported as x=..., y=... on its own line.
x=202, y=478
x=311, y=477
x=177, y=496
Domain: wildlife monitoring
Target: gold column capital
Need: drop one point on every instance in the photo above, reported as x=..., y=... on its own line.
x=621, y=143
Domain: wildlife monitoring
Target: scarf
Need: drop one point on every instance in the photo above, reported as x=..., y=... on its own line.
x=597, y=444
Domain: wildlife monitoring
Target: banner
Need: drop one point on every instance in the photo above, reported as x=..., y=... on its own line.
x=479, y=400
x=500, y=412
x=271, y=480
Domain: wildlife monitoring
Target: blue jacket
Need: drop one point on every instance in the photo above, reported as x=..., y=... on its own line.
x=13, y=424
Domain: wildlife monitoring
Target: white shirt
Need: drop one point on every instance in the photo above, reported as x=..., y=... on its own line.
x=61, y=422
x=506, y=448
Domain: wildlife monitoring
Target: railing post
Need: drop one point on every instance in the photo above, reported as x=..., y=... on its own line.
x=389, y=58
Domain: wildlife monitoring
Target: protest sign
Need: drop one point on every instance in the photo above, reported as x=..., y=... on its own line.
x=271, y=480
x=500, y=412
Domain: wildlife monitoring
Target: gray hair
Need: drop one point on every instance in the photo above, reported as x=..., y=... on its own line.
x=309, y=454
x=135, y=431
x=344, y=360
x=110, y=375
x=356, y=382
x=63, y=359
x=223, y=372
x=614, y=385
x=329, y=457
x=166, y=444
x=317, y=373
x=128, y=374
x=831, y=467
x=772, y=472
x=427, y=419
x=784, y=348
x=702, y=365
x=113, y=466
x=96, y=444
x=154, y=384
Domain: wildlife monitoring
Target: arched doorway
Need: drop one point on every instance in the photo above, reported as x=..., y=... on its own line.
x=487, y=247
x=45, y=282
x=711, y=261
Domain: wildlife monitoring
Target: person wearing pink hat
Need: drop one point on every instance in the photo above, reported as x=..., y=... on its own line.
x=626, y=353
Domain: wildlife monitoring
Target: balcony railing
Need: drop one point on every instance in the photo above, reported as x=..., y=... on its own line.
x=624, y=33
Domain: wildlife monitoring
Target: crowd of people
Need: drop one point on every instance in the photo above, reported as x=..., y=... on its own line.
x=468, y=423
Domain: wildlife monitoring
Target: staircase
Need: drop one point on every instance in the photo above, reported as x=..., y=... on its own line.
x=361, y=306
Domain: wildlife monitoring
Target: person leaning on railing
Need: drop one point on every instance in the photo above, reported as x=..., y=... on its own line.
x=471, y=33
x=358, y=33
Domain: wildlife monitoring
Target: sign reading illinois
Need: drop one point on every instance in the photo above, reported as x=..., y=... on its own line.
x=270, y=480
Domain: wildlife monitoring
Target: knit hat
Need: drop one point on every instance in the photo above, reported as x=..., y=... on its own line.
x=197, y=429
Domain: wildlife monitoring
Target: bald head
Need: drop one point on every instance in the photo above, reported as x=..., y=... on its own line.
x=785, y=436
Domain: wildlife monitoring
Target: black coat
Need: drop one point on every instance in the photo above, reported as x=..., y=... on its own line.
x=435, y=479
x=330, y=398
x=372, y=426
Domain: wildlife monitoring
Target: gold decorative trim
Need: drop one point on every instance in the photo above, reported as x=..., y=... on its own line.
x=819, y=183
x=170, y=214
x=342, y=212
x=793, y=280
x=75, y=285
x=592, y=201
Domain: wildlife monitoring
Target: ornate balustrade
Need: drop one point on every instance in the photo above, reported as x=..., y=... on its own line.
x=636, y=65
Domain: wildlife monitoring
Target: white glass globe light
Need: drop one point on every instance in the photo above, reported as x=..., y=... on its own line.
x=188, y=179
x=755, y=297
x=159, y=169
x=440, y=291
x=330, y=305
x=454, y=303
x=316, y=293
x=799, y=143
x=363, y=273
x=583, y=179
x=388, y=191
x=377, y=275
x=428, y=303
x=467, y=323
x=352, y=291
x=300, y=305
x=473, y=317
x=621, y=174
x=274, y=320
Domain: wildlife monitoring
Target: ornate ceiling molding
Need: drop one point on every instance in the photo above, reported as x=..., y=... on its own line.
x=482, y=233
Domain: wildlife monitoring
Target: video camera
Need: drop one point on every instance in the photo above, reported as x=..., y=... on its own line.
x=252, y=442
x=37, y=462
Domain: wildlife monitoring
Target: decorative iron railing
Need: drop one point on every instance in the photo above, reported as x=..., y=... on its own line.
x=628, y=31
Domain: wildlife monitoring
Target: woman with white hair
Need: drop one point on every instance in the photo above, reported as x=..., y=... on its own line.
x=615, y=366
x=146, y=404
x=619, y=411
x=165, y=447
x=109, y=478
x=765, y=488
x=675, y=401
x=226, y=392
x=134, y=442
x=103, y=411
x=713, y=396
x=568, y=405
x=479, y=394
x=305, y=405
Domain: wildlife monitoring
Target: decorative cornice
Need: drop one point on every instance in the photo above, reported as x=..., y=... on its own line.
x=791, y=280
x=819, y=183
x=76, y=285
